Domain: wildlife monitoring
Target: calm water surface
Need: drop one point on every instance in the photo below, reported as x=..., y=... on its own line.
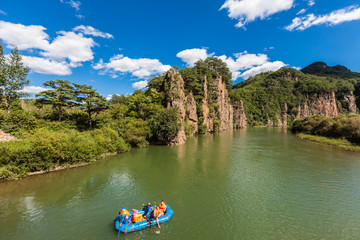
x=254, y=184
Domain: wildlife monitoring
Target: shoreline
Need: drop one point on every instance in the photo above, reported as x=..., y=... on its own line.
x=331, y=142
x=60, y=168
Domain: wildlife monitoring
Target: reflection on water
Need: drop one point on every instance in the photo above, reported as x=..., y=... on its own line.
x=249, y=184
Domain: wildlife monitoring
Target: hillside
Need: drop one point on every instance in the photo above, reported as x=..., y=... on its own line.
x=278, y=98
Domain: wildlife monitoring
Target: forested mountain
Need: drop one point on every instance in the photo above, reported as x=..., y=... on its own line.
x=277, y=98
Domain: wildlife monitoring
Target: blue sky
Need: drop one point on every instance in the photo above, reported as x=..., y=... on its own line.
x=117, y=46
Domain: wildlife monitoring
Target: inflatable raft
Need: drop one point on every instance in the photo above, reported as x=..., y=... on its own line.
x=126, y=228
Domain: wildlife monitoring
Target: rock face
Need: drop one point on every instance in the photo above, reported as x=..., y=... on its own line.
x=217, y=113
x=350, y=98
x=176, y=98
x=240, y=120
x=191, y=113
x=225, y=109
x=318, y=104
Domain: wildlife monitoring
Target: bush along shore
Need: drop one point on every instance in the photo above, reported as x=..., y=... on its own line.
x=342, y=131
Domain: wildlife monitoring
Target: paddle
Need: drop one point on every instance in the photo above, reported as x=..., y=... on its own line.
x=157, y=230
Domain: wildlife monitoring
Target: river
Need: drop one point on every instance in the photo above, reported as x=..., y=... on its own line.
x=261, y=183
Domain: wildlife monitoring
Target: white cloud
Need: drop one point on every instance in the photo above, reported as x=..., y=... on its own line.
x=336, y=17
x=3, y=13
x=33, y=89
x=73, y=4
x=242, y=64
x=311, y=2
x=23, y=37
x=140, y=67
x=191, y=56
x=302, y=11
x=46, y=66
x=110, y=96
x=88, y=30
x=140, y=84
x=67, y=50
x=269, y=66
x=72, y=46
x=246, y=11
x=79, y=16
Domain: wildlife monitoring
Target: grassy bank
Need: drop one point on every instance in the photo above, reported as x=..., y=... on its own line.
x=340, y=143
x=341, y=131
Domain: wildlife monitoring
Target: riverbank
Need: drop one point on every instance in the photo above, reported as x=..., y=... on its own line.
x=339, y=143
x=341, y=131
x=8, y=175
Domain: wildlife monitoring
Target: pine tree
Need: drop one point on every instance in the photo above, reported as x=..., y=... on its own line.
x=12, y=76
x=91, y=100
x=62, y=95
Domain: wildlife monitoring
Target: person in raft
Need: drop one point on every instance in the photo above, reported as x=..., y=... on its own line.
x=124, y=216
x=162, y=207
x=159, y=211
x=136, y=216
x=147, y=210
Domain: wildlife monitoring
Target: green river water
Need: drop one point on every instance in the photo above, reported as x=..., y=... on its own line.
x=252, y=184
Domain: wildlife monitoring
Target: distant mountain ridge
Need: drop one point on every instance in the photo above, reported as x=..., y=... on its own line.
x=278, y=98
x=322, y=69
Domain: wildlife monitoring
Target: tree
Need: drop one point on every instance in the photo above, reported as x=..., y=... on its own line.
x=165, y=124
x=91, y=100
x=12, y=76
x=61, y=95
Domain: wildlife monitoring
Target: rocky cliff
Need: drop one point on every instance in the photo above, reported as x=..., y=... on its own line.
x=216, y=113
x=350, y=98
x=318, y=104
x=240, y=120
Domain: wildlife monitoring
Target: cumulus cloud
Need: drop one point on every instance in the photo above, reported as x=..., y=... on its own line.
x=266, y=67
x=72, y=46
x=140, y=84
x=67, y=50
x=46, y=66
x=23, y=37
x=88, y=30
x=242, y=64
x=336, y=17
x=33, y=89
x=191, y=56
x=246, y=11
x=140, y=67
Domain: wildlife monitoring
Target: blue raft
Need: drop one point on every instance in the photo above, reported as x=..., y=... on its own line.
x=126, y=228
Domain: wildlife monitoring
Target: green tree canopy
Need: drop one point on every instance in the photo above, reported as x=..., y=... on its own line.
x=91, y=100
x=61, y=95
x=12, y=76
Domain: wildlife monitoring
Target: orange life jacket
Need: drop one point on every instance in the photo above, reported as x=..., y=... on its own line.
x=155, y=212
x=136, y=218
x=162, y=207
x=124, y=212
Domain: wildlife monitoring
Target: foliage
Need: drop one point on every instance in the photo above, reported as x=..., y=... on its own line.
x=165, y=125
x=61, y=95
x=12, y=77
x=345, y=126
x=266, y=94
x=92, y=101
